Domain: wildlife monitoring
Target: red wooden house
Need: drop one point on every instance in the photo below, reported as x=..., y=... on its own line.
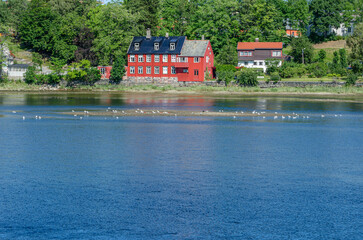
x=105, y=71
x=169, y=59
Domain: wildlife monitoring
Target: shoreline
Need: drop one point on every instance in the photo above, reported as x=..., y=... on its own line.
x=192, y=90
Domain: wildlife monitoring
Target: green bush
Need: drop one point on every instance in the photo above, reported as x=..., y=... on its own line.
x=275, y=77
x=83, y=73
x=247, y=77
x=225, y=67
x=318, y=69
x=226, y=76
x=272, y=65
x=321, y=55
x=30, y=75
x=351, y=79
x=53, y=78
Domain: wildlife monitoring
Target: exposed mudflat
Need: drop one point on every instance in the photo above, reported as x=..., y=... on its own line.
x=140, y=112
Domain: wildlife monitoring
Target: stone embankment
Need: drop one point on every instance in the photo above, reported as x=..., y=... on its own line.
x=262, y=84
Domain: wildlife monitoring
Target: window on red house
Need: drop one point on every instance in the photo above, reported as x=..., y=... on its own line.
x=156, y=58
x=132, y=58
x=156, y=70
x=196, y=72
x=148, y=70
x=140, y=70
x=173, y=71
x=132, y=70
x=148, y=58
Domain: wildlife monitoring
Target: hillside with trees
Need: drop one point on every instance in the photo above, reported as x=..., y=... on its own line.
x=67, y=31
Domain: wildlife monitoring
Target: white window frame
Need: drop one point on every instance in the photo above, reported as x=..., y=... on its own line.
x=140, y=70
x=132, y=70
x=165, y=58
x=148, y=70
x=196, y=59
x=156, y=46
x=156, y=70
x=246, y=54
x=165, y=70
x=173, y=58
x=132, y=58
x=173, y=70
x=207, y=59
x=172, y=46
x=140, y=58
x=148, y=58
x=137, y=46
x=102, y=70
x=183, y=59
x=276, y=53
x=157, y=58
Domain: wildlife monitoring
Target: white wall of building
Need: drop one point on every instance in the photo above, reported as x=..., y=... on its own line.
x=255, y=64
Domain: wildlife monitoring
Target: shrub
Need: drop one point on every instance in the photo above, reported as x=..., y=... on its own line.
x=53, y=78
x=275, y=77
x=247, y=77
x=351, y=80
x=30, y=75
x=318, y=69
x=272, y=65
x=321, y=55
x=226, y=76
x=83, y=73
x=225, y=67
x=3, y=79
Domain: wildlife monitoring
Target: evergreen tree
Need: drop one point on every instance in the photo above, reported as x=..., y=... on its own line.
x=343, y=58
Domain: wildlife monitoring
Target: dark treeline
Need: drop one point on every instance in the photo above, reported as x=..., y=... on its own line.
x=69, y=30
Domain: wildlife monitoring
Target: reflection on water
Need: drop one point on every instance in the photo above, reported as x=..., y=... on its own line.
x=63, y=177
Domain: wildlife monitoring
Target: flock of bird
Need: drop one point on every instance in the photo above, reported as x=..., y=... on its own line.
x=254, y=113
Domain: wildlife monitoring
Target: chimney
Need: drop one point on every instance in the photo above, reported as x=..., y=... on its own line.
x=148, y=33
x=257, y=39
x=167, y=35
x=202, y=37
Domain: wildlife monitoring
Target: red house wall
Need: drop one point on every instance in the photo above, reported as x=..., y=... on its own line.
x=201, y=66
x=107, y=73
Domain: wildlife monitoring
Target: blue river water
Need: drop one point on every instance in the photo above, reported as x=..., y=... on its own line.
x=63, y=177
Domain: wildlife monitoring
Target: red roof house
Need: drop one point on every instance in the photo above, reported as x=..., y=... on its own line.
x=254, y=54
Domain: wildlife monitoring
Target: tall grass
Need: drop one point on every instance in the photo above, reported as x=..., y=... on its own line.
x=21, y=86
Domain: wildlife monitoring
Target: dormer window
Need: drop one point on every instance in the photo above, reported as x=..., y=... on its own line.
x=156, y=46
x=172, y=46
x=137, y=46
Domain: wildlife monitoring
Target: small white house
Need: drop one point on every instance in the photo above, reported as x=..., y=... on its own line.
x=17, y=71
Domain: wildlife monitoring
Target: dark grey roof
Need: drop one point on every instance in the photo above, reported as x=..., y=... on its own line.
x=194, y=48
x=19, y=66
x=147, y=45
